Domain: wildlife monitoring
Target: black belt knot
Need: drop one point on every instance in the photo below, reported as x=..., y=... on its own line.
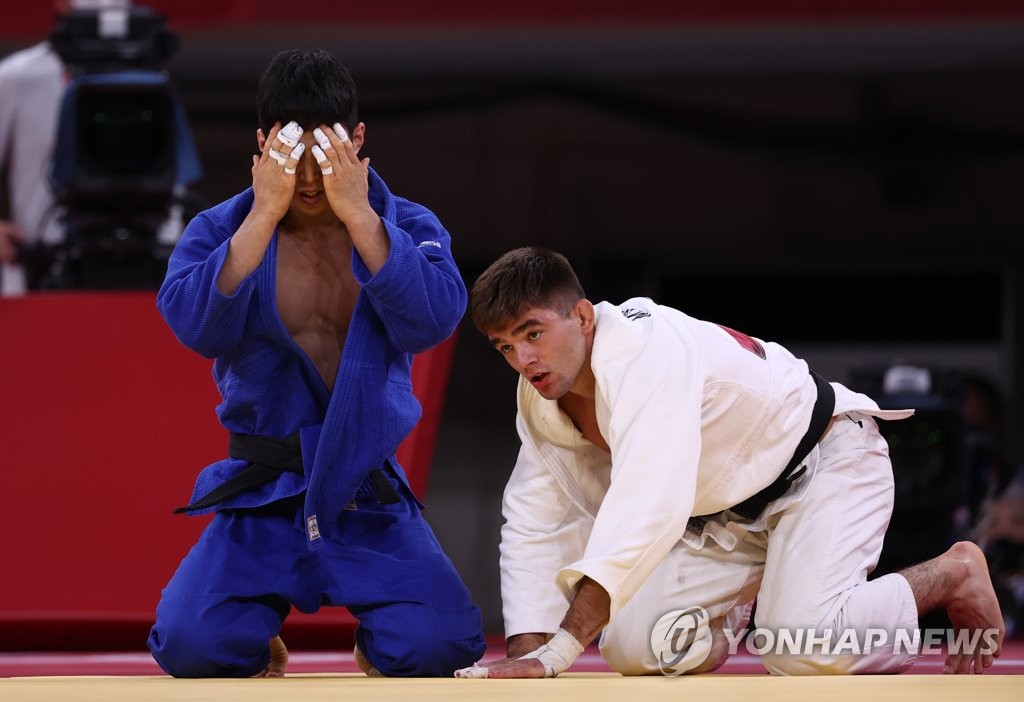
x=268, y=457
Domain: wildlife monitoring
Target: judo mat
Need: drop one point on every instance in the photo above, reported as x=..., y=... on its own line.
x=584, y=687
x=323, y=676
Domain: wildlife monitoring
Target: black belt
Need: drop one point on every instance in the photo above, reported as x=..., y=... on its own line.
x=268, y=458
x=821, y=415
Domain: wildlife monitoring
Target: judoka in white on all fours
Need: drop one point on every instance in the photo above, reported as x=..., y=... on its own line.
x=633, y=419
x=734, y=454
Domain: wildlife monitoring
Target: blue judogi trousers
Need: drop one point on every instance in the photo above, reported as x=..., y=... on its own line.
x=233, y=590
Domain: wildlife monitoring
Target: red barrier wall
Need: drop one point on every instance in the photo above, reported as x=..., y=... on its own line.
x=35, y=19
x=105, y=421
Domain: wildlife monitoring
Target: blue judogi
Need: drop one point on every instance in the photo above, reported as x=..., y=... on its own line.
x=292, y=540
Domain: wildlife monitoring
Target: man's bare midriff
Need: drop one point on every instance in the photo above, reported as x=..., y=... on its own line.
x=316, y=293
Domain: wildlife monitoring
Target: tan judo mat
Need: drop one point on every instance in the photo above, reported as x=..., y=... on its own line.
x=570, y=687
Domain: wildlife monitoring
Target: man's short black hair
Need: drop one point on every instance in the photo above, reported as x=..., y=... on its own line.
x=522, y=278
x=309, y=86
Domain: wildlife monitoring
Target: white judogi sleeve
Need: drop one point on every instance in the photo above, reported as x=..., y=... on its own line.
x=649, y=400
x=543, y=531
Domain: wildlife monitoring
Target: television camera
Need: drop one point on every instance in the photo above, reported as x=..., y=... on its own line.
x=124, y=153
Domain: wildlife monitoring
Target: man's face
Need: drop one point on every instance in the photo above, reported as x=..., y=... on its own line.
x=309, y=198
x=546, y=347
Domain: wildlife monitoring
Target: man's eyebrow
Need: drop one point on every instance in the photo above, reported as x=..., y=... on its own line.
x=519, y=328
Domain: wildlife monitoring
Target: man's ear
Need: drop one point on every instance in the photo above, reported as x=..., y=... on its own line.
x=260, y=139
x=584, y=312
x=359, y=136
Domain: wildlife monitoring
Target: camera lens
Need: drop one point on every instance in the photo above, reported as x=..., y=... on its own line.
x=125, y=134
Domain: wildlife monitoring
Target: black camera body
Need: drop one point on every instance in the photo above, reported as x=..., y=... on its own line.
x=124, y=151
x=117, y=151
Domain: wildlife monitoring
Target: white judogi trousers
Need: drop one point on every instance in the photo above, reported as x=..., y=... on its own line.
x=807, y=564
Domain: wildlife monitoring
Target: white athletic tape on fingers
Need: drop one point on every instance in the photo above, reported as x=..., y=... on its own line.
x=296, y=154
x=278, y=156
x=557, y=654
x=322, y=139
x=321, y=159
x=290, y=134
x=473, y=671
x=340, y=131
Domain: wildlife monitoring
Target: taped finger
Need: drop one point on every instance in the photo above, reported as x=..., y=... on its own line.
x=293, y=158
x=290, y=134
x=321, y=139
x=321, y=159
x=277, y=156
x=340, y=131
x=473, y=671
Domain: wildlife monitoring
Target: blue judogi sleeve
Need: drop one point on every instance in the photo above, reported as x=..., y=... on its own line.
x=202, y=318
x=418, y=293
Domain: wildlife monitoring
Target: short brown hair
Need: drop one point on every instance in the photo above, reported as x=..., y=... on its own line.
x=520, y=279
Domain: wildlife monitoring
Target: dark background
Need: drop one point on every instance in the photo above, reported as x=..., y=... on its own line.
x=845, y=178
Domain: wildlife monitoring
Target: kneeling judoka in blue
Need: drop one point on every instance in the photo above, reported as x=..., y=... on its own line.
x=312, y=290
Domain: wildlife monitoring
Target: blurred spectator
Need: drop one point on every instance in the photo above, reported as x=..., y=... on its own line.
x=987, y=465
x=996, y=497
x=32, y=82
x=1001, y=535
x=1004, y=517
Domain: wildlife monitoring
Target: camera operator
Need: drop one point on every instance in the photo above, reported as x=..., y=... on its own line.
x=86, y=211
x=31, y=84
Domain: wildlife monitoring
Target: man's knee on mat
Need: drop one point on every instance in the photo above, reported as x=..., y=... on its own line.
x=187, y=645
x=422, y=648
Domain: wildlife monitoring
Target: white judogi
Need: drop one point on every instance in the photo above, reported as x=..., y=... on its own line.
x=698, y=418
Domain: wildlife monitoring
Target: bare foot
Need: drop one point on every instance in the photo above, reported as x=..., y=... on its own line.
x=365, y=665
x=278, y=660
x=973, y=607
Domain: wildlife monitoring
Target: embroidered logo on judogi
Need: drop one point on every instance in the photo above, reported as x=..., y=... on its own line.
x=634, y=314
